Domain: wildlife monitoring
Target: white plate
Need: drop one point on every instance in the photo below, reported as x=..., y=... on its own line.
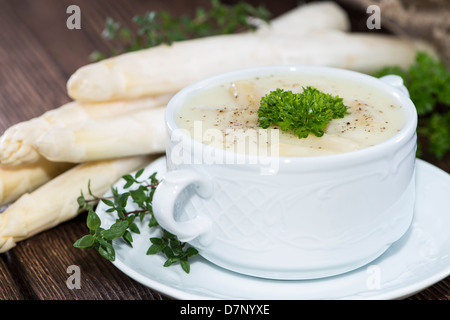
x=418, y=260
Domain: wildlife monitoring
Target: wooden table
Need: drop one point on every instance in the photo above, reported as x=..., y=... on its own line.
x=37, y=55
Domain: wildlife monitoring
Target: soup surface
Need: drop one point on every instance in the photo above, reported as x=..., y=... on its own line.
x=226, y=116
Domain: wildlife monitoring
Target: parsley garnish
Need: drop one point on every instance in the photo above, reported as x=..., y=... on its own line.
x=301, y=113
x=436, y=130
x=124, y=227
x=427, y=81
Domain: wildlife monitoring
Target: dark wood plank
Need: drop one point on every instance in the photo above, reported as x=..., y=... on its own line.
x=37, y=55
x=9, y=288
x=70, y=49
x=439, y=291
x=30, y=83
x=51, y=254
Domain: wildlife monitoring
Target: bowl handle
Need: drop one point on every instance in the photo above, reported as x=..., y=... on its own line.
x=168, y=190
x=396, y=82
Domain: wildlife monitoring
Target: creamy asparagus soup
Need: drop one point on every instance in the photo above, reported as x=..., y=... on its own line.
x=226, y=116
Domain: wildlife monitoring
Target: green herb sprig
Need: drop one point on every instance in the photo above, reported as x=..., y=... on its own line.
x=428, y=82
x=155, y=28
x=301, y=113
x=124, y=226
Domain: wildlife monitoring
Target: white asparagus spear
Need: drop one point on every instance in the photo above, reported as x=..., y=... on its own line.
x=15, y=181
x=87, y=85
x=56, y=201
x=354, y=51
x=16, y=143
x=165, y=69
x=311, y=16
x=140, y=132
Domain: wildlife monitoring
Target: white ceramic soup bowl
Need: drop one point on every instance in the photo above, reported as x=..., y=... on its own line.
x=289, y=217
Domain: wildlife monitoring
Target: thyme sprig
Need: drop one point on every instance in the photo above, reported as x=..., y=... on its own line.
x=124, y=227
x=154, y=28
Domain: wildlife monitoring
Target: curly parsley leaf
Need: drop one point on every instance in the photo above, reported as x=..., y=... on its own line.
x=300, y=113
x=428, y=81
x=437, y=132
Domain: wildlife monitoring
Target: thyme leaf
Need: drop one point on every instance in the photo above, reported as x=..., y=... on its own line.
x=141, y=193
x=154, y=28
